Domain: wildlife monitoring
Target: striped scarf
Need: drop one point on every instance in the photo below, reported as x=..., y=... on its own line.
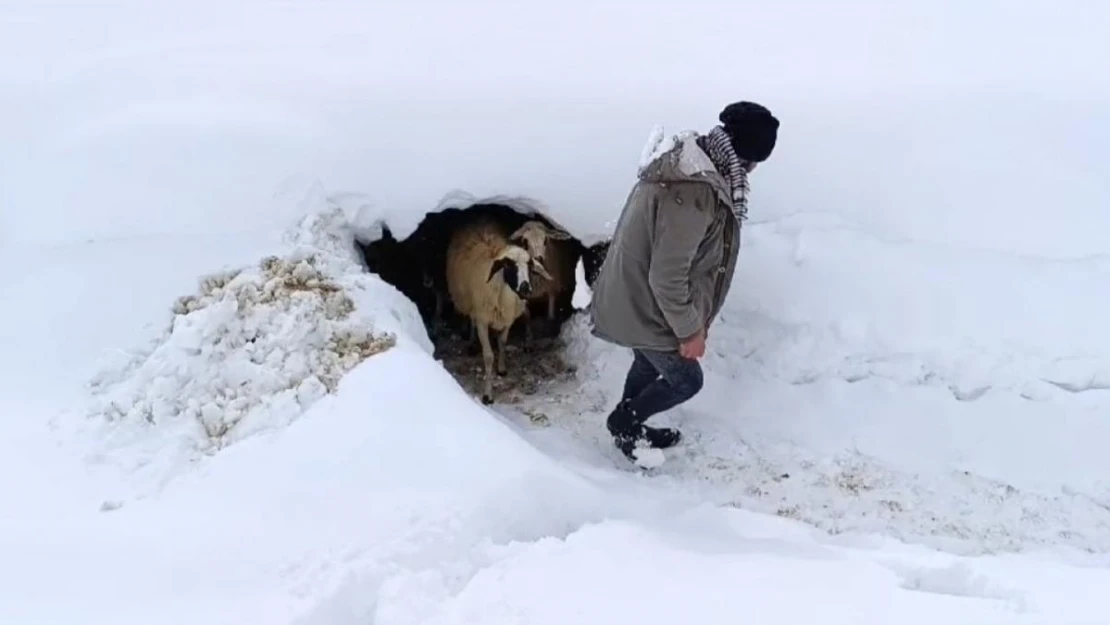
x=719, y=148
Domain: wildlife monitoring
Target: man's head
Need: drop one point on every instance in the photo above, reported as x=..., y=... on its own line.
x=752, y=131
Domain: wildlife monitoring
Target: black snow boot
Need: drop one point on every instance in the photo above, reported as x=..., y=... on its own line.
x=628, y=431
x=662, y=438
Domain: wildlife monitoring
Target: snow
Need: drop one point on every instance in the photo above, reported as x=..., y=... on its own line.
x=256, y=346
x=649, y=458
x=904, y=415
x=582, y=294
x=657, y=145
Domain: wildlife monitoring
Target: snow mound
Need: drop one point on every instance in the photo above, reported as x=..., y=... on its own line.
x=254, y=347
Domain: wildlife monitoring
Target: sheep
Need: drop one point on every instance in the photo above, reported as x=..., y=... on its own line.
x=592, y=259
x=488, y=279
x=549, y=249
x=428, y=259
x=404, y=265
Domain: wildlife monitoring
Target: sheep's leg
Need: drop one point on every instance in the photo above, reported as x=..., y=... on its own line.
x=472, y=346
x=440, y=322
x=437, y=308
x=549, y=325
x=502, y=341
x=527, y=320
x=487, y=362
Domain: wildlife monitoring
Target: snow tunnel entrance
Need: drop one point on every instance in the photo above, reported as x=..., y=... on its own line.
x=417, y=267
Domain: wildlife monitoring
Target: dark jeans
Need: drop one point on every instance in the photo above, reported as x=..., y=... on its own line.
x=659, y=381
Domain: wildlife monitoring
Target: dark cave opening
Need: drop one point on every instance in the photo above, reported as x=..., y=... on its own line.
x=416, y=266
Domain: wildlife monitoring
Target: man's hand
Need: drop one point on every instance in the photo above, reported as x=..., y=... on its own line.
x=694, y=347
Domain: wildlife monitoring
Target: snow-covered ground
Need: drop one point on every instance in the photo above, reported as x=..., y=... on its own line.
x=907, y=403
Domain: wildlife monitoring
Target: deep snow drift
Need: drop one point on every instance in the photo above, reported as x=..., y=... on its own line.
x=253, y=348
x=398, y=499
x=914, y=355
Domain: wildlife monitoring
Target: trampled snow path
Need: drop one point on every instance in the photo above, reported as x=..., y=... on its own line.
x=976, y=443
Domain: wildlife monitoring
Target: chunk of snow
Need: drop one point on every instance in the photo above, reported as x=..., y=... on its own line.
x=659, y=144
x=254, y=347
x=958, y=579
x=582, y=293
x=654, y=146
x=692, y=160
x=649, y=458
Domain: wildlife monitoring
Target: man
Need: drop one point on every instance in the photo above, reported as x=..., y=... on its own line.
x=670, y=264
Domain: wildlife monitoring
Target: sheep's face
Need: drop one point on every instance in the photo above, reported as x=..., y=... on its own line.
x=516, y=267
x=533, y=237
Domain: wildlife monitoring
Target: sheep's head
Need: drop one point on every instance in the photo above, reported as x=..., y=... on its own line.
x=516, y=265
x=533, y=236
x=377, y=253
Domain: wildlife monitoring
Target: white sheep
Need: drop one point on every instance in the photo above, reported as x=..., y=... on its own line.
x=488, y=278
x=547, y=247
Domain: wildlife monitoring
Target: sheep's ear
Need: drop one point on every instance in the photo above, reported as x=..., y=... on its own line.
x=497, y=265
x=540, y=269
x=558, y=235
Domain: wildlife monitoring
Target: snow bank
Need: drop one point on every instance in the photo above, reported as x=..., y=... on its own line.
x=266, y=341
x=397, y=470
x=631, y=573
x=255, y=347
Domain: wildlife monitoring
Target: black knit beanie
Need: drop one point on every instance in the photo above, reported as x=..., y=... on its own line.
x=752, y=129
